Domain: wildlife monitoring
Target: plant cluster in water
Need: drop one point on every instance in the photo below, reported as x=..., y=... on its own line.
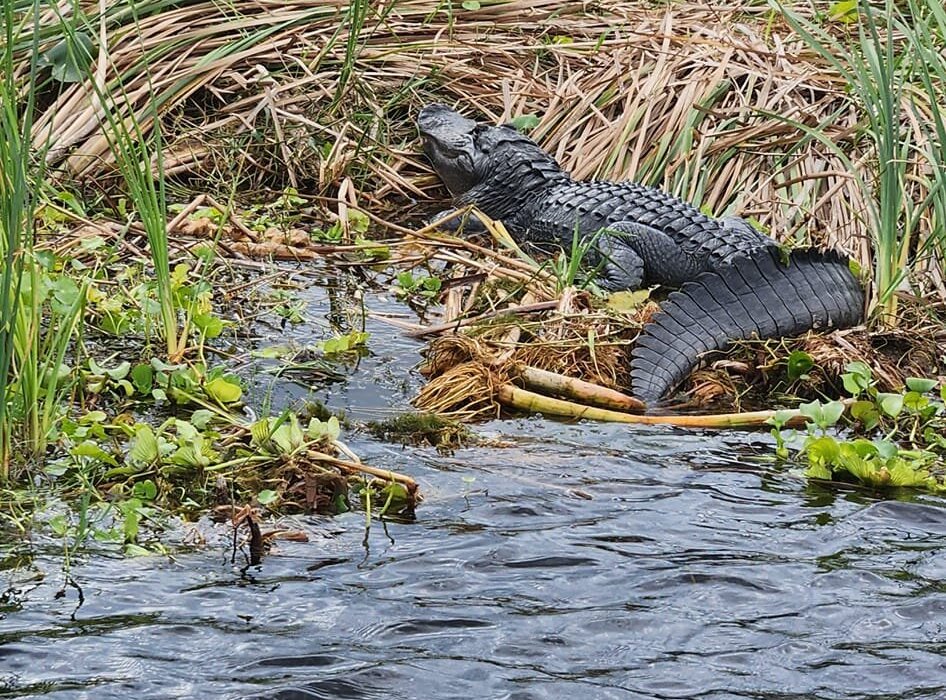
x=118, y=443
x=892, y=439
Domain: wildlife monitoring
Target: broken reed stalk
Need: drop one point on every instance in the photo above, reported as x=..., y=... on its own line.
x=578, y=389
x=525, y=400
x=357, y=467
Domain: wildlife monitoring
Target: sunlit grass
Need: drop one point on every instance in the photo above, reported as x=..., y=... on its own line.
x=40, y=310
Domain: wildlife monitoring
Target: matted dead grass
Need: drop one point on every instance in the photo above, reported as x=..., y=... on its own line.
x=466, y=373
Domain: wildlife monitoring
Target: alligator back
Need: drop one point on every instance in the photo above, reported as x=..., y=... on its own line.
x=554, y=214
x=755, y=296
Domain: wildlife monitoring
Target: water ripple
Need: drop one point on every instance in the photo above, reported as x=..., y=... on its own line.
x=693, y=572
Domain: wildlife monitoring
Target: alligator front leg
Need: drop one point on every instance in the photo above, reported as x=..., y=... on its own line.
x=664, y=262
x=620, y=267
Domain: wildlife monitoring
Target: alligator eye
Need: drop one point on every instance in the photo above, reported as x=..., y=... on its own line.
x=478, y=131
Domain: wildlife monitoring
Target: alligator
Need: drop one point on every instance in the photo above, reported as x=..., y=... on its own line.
x=732, y=282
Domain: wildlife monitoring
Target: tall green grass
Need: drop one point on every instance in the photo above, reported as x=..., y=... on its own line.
x=17, y=205
x=38, y=312
x=894, y=64
x=16, y=213
x=140, y=159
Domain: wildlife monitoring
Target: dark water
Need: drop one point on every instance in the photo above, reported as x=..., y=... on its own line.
x=694, y=570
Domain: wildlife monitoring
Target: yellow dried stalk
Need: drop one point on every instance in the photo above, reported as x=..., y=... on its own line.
x=524, y=400
x=585, y=392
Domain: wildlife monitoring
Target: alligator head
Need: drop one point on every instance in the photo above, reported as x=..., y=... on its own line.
x=494, y=167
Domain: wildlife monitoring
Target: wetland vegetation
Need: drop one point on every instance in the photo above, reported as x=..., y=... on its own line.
x=170, y=170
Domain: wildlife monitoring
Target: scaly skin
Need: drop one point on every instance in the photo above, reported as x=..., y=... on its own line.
x=732, y=281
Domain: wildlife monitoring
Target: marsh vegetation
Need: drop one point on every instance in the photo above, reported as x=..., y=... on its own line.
x=168, y=170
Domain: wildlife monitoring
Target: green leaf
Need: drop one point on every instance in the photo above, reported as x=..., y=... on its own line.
x=160, y=366
x=65, y=294
x=185, y=431
x=135, y=550
x=851, y=384
x=319, y=430
x=524, y=122
x=210, y=325
x=144, y=450
x=344, y=343
x=201, y=417
x=920, y=384
x=266, y=497
x=334, y=429
x=112, y=534
x=71, y=58
x=223, y=390
x=179, y=275
x=813, y=412
x=92, y=243
x=823, y=450
x=832, y=412
x=142, y=376
x=432, y=284
x=799, y=364
x=780, y=418
x=145, y=490
x=859, y=368
x=915, y=401
x=818, y=471
x=59, y=524
x=857, y=378
x=864, y=448
x=471, y=5
x=259, y=432
x=358, y=221
x=866, y=413
x=273, y=352
x=288, y=437
x=56, y=468
x=195, y=454
x=119, y=372
x=891, y=404
x=844, y=11
x=93, y=417
x=885, y=448
x=45, y=258
x=93, y=451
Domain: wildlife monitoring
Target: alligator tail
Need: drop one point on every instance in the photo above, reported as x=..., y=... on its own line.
x=758, y=296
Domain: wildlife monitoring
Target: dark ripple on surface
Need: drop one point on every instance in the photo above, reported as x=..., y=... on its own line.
x=673, y=582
